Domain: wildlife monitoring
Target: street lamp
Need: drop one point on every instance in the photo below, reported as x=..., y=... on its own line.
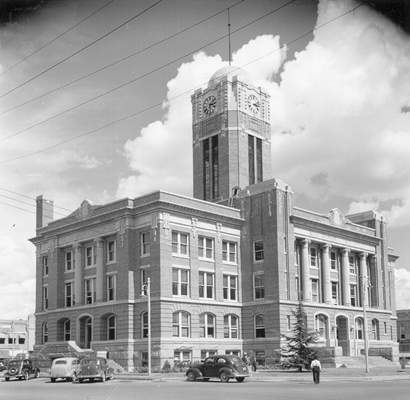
x=366, y=344
x=146, y=291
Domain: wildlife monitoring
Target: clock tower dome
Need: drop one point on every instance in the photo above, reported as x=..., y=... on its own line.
x=231, y=135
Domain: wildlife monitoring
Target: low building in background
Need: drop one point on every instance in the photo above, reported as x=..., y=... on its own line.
x=16, y=337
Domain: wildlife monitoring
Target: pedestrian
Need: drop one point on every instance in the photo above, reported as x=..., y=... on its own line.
x=316, y=368
x=253, y=363
x=245, y=359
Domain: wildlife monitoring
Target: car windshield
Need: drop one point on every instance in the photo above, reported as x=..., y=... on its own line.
x=60, y=362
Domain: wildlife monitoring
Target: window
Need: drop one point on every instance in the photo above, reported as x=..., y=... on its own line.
x=111, y=287
x=21, y=340
x=353, y=296
x=44, y=332
x=259, y=327
x=375, y=329
x=180, y=282
x=45, y=297
x=259, y=286
x=144, y=325
x=144, y=282
x=205, y=248
x=207, y=325
x=321, y=325
x=313, y=257
x=89, y=256
x=111, y=328
x=144, y=358
x=145, y=241
x=353, y=264
x=68, y=260
x=179, y=243
x=67, y=330
x=230, y=285
x=359, y=328
x=333, y=260
x=2, y=340
x=315, y=290
x=89, y=287
x=385, y=327
x=206, y=285
x=288, y=325
x=207, y=353
x=297, y=287
x=229, y=252
x=232, y=352
x=335, y=292
x=69, y=294
x=231, y=326
x=44, y=263
x=258, y=254
x=111, y=251
x=182, y=356
x=297, y=255
x=181, y=324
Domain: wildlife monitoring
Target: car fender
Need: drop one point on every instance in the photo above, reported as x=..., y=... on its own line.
x=196, y=371
x=227, y=371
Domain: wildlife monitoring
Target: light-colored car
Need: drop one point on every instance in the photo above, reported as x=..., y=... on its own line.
x=64, y=368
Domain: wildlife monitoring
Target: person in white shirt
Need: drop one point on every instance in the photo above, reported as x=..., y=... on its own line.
x=316, y=367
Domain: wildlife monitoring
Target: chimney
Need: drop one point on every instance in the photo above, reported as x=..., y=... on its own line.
x=44, y=211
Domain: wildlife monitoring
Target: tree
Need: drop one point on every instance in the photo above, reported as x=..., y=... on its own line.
x=295, y=352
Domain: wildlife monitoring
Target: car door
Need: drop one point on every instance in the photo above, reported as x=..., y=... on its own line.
x=209, y=367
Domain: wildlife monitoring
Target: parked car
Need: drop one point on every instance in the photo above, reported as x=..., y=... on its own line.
x=94, y=368
x=64, y=367
x=21, y=369
x=222, y=367
x=3, y=364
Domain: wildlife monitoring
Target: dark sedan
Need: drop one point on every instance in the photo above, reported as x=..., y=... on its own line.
x=91, y=369
x=222, y=367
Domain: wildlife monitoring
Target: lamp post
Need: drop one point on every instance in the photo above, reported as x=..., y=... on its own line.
x=147, y=289
x=365, y=329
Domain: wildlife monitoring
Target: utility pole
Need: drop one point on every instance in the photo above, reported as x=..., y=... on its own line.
x=146, y=291
x=365, y=328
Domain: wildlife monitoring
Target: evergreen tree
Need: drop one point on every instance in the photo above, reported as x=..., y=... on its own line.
x=295, y=352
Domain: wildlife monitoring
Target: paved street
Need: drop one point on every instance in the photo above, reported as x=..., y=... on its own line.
x=180, y=389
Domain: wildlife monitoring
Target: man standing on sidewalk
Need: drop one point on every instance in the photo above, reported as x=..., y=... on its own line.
x=316, y=367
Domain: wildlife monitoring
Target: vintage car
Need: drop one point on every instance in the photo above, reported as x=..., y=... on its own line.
x=222, y=367
x=93, y=368
x=64, y=367
x=21, y=369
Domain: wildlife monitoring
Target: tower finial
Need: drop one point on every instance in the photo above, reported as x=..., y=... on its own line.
x=229, y=37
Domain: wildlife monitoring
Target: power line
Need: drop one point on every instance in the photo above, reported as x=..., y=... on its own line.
x=19, y=208
x=57, y=37
x=175, y=97
x=82, y=49
x=143, y=75
x=31, y=198
x=120, y=60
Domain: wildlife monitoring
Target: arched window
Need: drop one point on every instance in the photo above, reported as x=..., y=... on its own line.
x=181, y=324
x=44, y=333
x=67, y=330
x=144, y=325
x=207, y=325
x=321, y=325
x=231, y=326
x=111, y=328
x=375, y=329
x=259, y=326
x=359, y=328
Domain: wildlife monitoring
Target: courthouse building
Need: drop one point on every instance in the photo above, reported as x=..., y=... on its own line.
x=227, y=267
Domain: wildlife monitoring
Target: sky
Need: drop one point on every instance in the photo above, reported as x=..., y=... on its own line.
x=340, y=110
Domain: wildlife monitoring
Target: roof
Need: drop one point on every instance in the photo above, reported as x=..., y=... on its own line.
x=229, y=72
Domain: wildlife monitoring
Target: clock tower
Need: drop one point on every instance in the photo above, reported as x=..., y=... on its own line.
x=231, y=135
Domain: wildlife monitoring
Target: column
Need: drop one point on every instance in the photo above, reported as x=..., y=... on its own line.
x=346, y=277
x=363, y=281
x=99, y=269
x=78, y=274
x=306, y=284
x=327, y=289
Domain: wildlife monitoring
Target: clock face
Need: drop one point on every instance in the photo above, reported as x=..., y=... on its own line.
x=209, y=105
x=253, y=103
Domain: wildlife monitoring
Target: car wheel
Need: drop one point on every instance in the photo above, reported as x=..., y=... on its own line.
x=26, y=376
x=241, y=379
x=53, y=380
x=191, y=376
x=224, y=377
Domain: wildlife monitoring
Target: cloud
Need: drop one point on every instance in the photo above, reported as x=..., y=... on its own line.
x=402, y=280
x=17, y=299
x=161, y=154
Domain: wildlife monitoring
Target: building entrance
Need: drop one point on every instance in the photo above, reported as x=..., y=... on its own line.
x=342, y=334
x=86, y=332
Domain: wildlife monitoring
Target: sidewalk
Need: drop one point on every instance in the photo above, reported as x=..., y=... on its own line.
x=327, y=375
